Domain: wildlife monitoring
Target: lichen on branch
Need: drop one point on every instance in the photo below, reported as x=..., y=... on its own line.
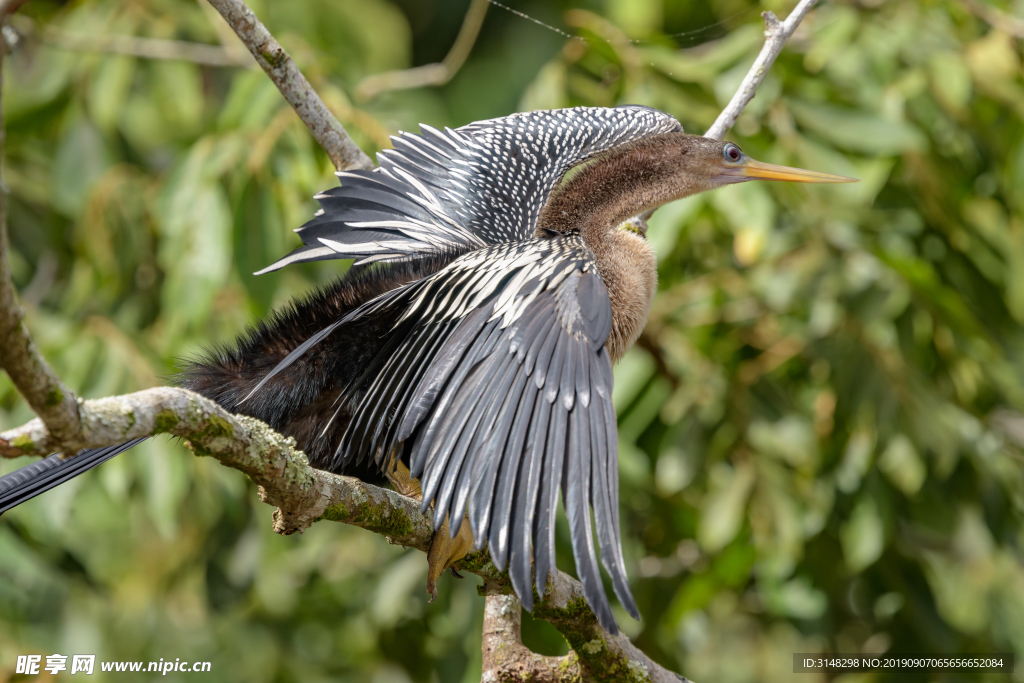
x=304, y=495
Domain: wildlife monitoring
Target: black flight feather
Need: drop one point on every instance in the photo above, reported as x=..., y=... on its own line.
x=42, y=475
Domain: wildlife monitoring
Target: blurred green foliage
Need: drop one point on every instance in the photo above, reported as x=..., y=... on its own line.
x=821, y=428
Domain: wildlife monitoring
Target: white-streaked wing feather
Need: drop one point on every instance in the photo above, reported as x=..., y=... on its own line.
x=482, y=184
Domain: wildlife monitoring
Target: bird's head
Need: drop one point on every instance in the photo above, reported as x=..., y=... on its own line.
x=621, y=187
x=665, y=167
x=712, y=163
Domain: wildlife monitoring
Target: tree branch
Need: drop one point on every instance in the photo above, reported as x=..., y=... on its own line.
x=304, y=495
x=35, y=379
x=293, y=85
x=430, y=74
x=505, y=658
x=776, y=34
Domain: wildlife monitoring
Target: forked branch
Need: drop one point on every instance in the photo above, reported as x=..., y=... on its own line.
x=293, y=85
x=776, y=34
x=430, y=74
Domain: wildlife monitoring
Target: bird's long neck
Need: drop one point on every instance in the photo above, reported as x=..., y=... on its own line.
x=617, y=185
x=621, y=183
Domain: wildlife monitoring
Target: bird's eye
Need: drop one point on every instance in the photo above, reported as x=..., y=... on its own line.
x=732, y=152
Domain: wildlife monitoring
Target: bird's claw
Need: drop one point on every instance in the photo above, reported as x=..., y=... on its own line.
x=445, y=551
x=455, y=573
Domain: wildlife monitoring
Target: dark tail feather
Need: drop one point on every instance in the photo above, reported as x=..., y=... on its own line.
x=29, y=481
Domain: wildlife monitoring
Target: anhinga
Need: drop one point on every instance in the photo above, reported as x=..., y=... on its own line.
x=469, y=349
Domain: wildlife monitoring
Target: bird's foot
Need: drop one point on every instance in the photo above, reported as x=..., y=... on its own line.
x=402, y=481
x=446, y=551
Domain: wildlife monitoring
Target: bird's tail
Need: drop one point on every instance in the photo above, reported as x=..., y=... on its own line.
x=29, y=481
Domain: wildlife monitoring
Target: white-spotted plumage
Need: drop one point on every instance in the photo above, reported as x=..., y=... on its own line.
x=481, y=184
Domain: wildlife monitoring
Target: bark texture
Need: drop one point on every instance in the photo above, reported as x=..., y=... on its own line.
x=35, y=379
x=304, y=495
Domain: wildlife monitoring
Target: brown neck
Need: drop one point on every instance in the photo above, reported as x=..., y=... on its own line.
x=624, y=182
x=614, y=186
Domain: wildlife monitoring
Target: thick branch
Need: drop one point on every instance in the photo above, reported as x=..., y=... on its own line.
x=293, y=85
x=601, y=656
x=596, y=654
x=31, y=374
x=505, y=658
x=776, y=34
x=304, y=495
x=430, y=74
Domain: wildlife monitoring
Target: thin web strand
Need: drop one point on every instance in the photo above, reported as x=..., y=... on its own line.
x=534, y=20
x=631, y=41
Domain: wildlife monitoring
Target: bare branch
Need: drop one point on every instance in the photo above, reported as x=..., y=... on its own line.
x=601, y=656
x=996, y=18
x=776, y=34
x=293, y=85
x=31, y=374
x=505, y=658
x=430, y=74
x=134, y=46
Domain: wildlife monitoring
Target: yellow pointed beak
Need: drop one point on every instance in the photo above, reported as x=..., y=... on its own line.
x=759, y=170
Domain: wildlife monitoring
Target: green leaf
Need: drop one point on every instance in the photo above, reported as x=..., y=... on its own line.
x=951, y=80
x=702, y=66
x=722, y=512
x=858, y=131
x=81, y=159
x=790, y=439
x=195, y=249
x=902, y=465
x=108, y=91
x=863, y=536
x=798, y=599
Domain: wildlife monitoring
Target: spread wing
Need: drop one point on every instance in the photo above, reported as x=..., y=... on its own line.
x=497, y=385
x=470, y=187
